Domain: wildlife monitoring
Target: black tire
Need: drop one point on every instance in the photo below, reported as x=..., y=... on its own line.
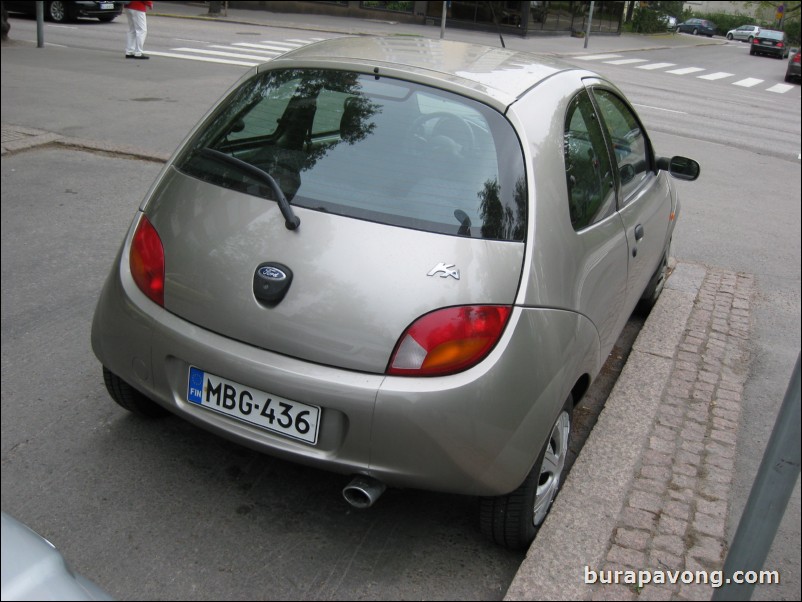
x=751, y=52
x=750, y=39
x=57, y=11
x=729, y=36
x=129, y=398
x=514, y=519
x=656, y=284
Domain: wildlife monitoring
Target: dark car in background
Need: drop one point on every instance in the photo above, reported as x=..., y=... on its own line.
x=63, y=12
x=793, y=72
x=771, y=43
x=697, y=27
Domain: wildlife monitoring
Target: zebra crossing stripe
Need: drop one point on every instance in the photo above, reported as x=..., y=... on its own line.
x=748, y=82
x=233, y=55
x=204, y=59
x=256, y=52
x=656, y=66
x=625, y=61
x=596, y=57
x=685, y=71
x=779, y=88
x=716, y=75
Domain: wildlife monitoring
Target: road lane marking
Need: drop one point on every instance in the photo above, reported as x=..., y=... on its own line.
x=625, y=61
x=233, y=55
x=656, y=66
x=716, y=75
x=748, y=82
x=780, y=88
x=203, y=59
x=685, y=70
x=596, y=57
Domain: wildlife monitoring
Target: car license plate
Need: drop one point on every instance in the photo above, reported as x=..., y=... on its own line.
x=270, y=412
x=107, y=6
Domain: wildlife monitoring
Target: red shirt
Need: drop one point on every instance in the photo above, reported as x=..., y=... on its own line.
x=142, y=6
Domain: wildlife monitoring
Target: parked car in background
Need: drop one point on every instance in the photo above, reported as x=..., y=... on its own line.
x=771, y=43
x=744, y=33
x=400, y=262
x=697, y=27
x=62, y=12
x=793, y=72
x=33, y=569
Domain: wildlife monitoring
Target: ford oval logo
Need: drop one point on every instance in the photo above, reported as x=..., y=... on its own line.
x=272, y=273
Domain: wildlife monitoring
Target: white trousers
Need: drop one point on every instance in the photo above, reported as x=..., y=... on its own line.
x=137, y=31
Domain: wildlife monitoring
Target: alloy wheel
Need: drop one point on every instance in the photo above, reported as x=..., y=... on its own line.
x=551, y=469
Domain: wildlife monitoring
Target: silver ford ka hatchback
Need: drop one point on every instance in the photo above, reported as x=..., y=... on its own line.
x=403, y=260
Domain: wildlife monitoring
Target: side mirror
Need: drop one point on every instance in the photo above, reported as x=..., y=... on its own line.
x=681, y=168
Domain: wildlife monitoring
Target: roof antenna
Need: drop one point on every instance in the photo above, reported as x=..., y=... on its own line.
x=498, y=27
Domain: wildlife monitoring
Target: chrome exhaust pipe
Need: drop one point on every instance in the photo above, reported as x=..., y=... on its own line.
x=363, y=491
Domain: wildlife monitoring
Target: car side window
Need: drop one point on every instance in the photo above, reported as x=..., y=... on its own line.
x=630, y=145
x=591, y=187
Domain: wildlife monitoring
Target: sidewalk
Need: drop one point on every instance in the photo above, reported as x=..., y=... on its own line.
x=651, y=487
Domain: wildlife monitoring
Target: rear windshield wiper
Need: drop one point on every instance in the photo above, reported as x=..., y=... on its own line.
x=291, y=221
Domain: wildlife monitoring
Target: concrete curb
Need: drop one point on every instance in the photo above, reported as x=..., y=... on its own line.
x=18, y=138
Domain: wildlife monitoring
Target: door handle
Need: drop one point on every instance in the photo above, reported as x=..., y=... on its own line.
x=638, y=232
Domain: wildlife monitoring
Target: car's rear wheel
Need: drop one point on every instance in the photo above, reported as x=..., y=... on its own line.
x=514, y=519
x=129, y=398
x=750, y=39
x=695, y=31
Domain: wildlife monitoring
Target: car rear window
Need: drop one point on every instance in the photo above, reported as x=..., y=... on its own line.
x=772, y=35
x=377, y=149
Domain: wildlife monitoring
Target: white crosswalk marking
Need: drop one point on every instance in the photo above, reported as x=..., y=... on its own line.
x=716, y=75
x=204, y=59
x=748, y=82
x=596, y=57
x=234, y=55
x=656, y=66
x=244, y=54
x=625, y=61
x=685, y=70
x=779, y=88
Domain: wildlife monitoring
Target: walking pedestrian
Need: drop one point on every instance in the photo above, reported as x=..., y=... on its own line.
x=137, y=29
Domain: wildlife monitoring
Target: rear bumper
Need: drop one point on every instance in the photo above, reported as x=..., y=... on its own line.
x=475, y=433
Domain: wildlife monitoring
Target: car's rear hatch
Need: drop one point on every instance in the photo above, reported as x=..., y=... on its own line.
x=356, y=285
x=409, y=200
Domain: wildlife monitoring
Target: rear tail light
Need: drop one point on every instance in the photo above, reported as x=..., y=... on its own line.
x=147, y=261
x=797, y=57
x=448, y=340
x=755, y=41
x=779, y=44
